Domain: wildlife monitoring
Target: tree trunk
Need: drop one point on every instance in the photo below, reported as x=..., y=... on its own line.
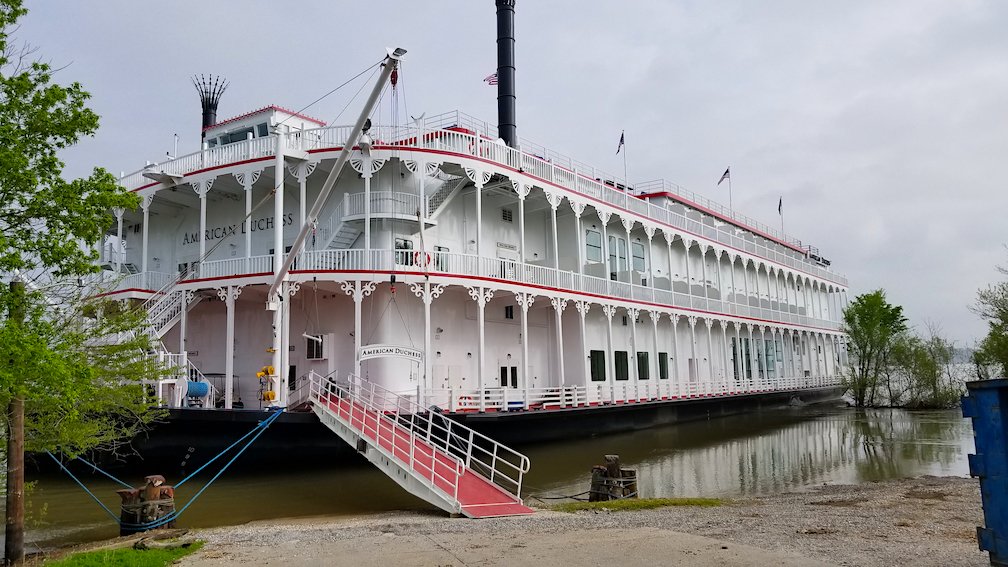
x=14, y=533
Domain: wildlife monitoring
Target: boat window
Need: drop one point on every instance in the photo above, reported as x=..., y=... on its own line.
x=507, y=215
x=593, y=245
x=440, y=261
x=663, y=366
x=212, y=143
x=622, y=365
x=509, y=311
x=236, y=136
x=638, y=256
x=617, y=256
x=598, y=366
x=263, y=130
x=404, y=251
x=313, y=348
x=643, y=368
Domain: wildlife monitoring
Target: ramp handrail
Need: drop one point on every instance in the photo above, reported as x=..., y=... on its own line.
x=497, y=463
x=385, y=428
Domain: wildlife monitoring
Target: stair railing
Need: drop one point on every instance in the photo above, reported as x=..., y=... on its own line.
x=497, y=463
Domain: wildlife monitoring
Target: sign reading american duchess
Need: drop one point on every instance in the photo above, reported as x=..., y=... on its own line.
x=382, y=351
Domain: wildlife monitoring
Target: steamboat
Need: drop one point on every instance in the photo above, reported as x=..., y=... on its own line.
x=445, y=267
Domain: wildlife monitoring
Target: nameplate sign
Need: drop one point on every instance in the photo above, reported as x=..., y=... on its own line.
x=385, y=351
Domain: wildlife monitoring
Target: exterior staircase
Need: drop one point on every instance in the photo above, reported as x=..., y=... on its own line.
x=165, y=310
x=432, y=457
x=448, y=190
x=334, y=233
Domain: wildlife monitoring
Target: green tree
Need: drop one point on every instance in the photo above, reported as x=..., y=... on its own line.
x=66, y=374
x=872, y=325
x=992, y=305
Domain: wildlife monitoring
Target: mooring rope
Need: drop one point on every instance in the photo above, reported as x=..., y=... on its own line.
x=258, y=430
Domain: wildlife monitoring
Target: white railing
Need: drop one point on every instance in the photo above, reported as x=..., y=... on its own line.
x=389, y=416
x=383, y=203
x=234, y=266
x=451, y=263
x=620, y=391
x=535, y=160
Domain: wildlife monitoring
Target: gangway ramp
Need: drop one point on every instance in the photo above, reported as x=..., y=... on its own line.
x=432, y=457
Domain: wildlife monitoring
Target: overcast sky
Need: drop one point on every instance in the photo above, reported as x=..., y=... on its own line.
x=881, y=124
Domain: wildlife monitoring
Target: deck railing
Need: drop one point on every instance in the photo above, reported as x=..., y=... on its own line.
x=609, y=392
x=551, y=279
x=451, y=133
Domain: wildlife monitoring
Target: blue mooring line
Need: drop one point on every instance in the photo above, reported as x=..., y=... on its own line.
x=259, y=429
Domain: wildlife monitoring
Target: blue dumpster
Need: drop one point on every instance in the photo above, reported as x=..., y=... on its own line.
x=983, y=404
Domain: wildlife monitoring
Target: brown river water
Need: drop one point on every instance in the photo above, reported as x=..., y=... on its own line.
x=761, y=453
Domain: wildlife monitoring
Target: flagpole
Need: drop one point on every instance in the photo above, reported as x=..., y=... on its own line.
x=729, y=191
x=626, y=181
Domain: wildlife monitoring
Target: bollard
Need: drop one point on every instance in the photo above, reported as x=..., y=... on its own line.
x=983, y=404
x=146, y=504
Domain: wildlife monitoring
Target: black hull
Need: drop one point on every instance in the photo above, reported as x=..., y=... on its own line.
x=188, y=438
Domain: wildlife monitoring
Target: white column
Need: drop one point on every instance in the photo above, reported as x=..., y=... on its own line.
x=482, y=296
x=525, y=300
x=578, y=209
x=554, y=200
x=187, y=297
x=632, y=314
x=609, y=311
x=696, y=365
x=582, y=308
x=247, y=179
x=559, y=304
x=229, y=295
x=710, y=353
x=703, y=276
x=674, y=320
x=604, y=221
x=357, y=290
x=734, y=290
x=649, y=230
x=668, y=245
x=367, y=168
x=801, y=357
x=628, y=226
x=656, y=365
x=689, y=284
x=753, y=364
x=145, y=204
x=427, y=294
x=120, y=249
x=522, y=190
x=739, y=357
x=725, y=356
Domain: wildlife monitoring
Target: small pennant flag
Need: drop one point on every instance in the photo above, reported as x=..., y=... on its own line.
x=620, y=146
x=491, y=79
x=726, y=175
x=780, y=206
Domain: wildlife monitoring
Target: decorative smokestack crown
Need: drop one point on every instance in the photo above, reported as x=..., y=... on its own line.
x=210, y=89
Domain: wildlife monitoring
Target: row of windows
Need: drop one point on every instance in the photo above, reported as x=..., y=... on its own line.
x=617, y=251
x=257, y=131
x=597, y=363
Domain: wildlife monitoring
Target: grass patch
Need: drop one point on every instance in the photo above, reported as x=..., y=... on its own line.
x=637, y=504
x=127, y=557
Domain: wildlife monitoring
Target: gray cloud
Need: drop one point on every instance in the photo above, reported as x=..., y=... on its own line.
x=882, y=125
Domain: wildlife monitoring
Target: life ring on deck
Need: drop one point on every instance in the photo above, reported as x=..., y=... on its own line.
x=421, y=258
x=466, y=401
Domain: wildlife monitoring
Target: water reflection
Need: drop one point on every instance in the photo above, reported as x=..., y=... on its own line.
x=760, y=453
x=768, y=452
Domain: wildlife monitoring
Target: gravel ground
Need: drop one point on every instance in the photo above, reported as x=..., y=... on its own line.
x=924, y=521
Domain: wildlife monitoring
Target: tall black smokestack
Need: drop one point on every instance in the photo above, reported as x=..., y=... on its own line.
x=506, y=73
x=210, y=89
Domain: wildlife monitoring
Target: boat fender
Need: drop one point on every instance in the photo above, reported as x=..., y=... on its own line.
x=197, y=389
x=269, y=396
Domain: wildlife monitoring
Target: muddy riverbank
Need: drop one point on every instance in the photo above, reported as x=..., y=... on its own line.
x=922, y=521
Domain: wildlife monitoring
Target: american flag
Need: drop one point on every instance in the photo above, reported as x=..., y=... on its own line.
x=491, y=79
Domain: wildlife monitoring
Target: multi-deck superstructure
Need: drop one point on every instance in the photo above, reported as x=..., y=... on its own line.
x=496, y=277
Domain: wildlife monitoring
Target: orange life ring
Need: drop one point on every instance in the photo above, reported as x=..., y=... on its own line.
x=426, y=257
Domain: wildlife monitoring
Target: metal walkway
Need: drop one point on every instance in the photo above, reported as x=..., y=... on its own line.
x=431, y=456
